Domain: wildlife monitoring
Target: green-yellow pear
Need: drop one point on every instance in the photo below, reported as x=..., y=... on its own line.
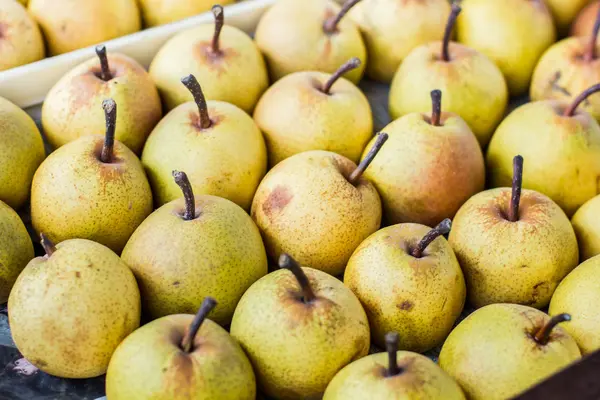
x=586, y=223
x=310, y=35
x=561, y=145
x=225, y=60
x=502, y=31
x=70, y=309
x=394, y=375
x=430, y=167
x=315, y=111
x=503, y=349
x=192, y=248
x=216, y=143
x=69, y=25
x=564, y=12
x=160, y=12
x=180, y=357
x=299, y=329
x=473, y=85
x=16, y=249
x=514, y=245
x=584, y=23
x=393, y=28
x=579, y=295
x=409, y=281
x=317, y=207
x=91, y=188
x=22, y=153
x=21, y=41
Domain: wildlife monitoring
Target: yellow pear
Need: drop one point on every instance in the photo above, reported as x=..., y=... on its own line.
x=180, y=357
x=502, y=31
x=72, y=107
x=503, y=349
x=561, y=144
x=584, y=23
x=70, y=309
x=225, y=60
x=299, y=329
x=310, y=35
x=160, y=12
x=393, y=28
x=315, y=111
x=16, y=249
x=21, y=41
x=393, y=375
x=22, y=152
x=91, y=188
x=24, y=2
x=473, y=85
x=565, y=11
x=586, y=223
x=514, y=245
x=73, y=24
x=216, y=143
x=408, y=279
x=579, y=295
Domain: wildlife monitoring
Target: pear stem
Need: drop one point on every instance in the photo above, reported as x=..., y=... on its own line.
x=448, y=33
x=391, y=346
x=517, y=184
x=47, y=244
x=217, y=11
x=188, y=340
x=543, y=334
x=590, y=54
x=105, y=73
x=181, y=179
x=330, y=25
x=364, y=164
x=348, y=66
x=191, y=83
x=287, y=262
x=110, y=115
x=436, y=107
x=570, y=111
x=441, y=229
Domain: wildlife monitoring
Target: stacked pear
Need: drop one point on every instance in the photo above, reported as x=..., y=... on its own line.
x=586, y=223
x=584, y=23
x=160, y=12
x=21, y=41
x=565, y=11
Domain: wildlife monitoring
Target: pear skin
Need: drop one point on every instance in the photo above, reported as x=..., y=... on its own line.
x=564, y=12
x=584, y=23
x=586, y=223
x=160, y=12
x=21, y=41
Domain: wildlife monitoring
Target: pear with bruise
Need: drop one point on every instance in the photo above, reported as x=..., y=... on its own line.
x=584, y=23
x=180, y=357
x=92, y=188
x=564, y=12
x=586, y=223
x=299, y=327
x=160, y=12
x=21, y=41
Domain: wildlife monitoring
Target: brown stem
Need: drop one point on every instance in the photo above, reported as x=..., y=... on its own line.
x=217, y=11
x=448, y=33
x=47, y=244
x=391, y=346
x=330, y=25
x=364, y=164
x=188, y=340
x=543, y=334
x=105, y=73
x=110, y=115
x=590, y=53
x=191, y=83
x=287, y=262
x=348, y=66
x=517, y=183
x=441, y=229
x=181, y=179
x=436, y=107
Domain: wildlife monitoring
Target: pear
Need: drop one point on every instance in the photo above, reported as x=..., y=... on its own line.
x=586, y=223
x=513, y=245
x=71, y=24
x=299, y=329
x=70, y=309
x=16, y=249
x=315, y=111
x=579, y=295
x=22, y=153
x=160, y=12
x=502, y=31
x=309, y=35
x=21, y=41
x=91, y=190
x=584, y=23
x=318, y=207
x=473, y=85
x=393, y=375
x=24, y=2
x=216, y=143
x=430, y=167
x=180, y=357
x=501, y=350
x=565, y=11
x=226, y=61
x=562, y=149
